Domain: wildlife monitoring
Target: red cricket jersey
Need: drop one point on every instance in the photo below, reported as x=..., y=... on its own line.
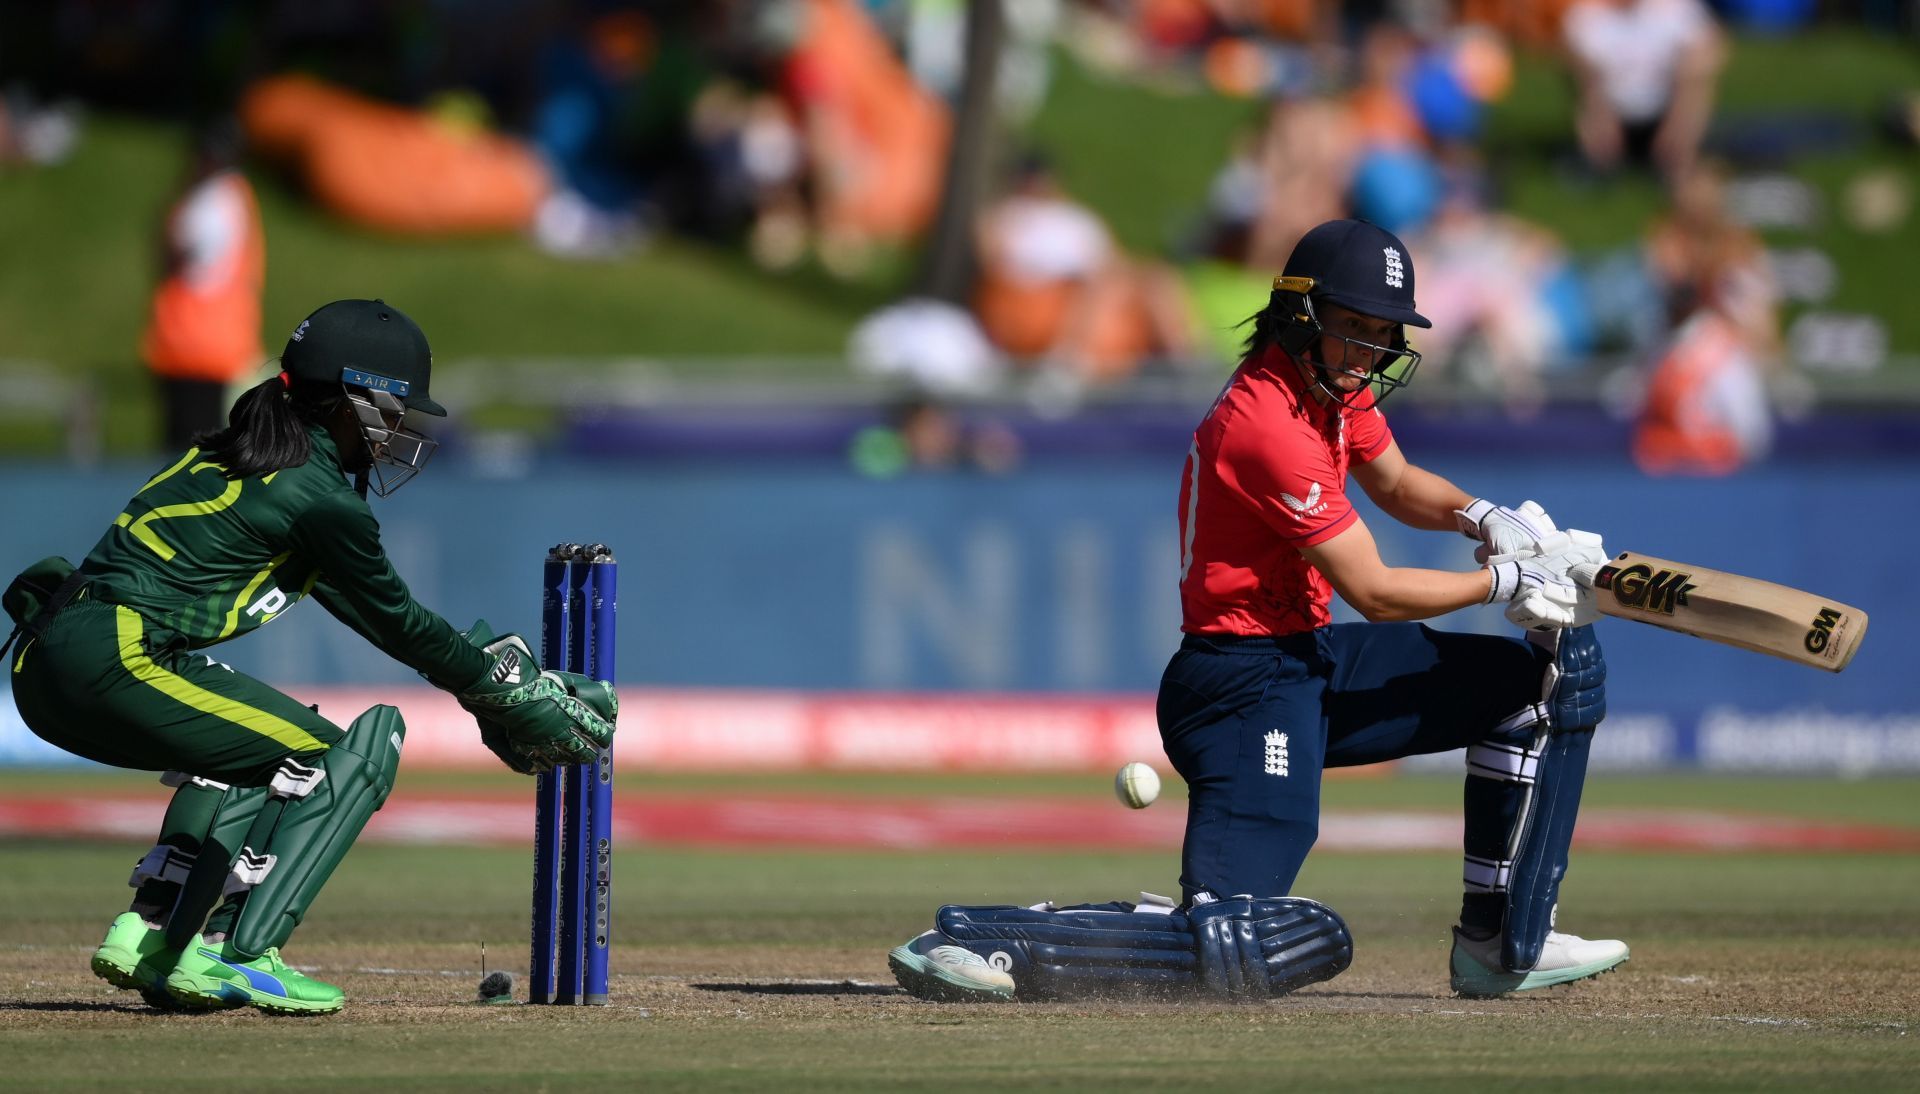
x=1267, y=475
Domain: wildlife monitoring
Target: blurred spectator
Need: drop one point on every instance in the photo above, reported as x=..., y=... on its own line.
x=36, y=133
x=203, y=331
x=753, y=164
x=1647, y=71
x=591, y=87
x=875, y=139
x=1054, y=286
x=1706, y=408
x=1701, y=257
x=923, y=433
x=1502, y=294
x=1305, y=157
x=930, y=344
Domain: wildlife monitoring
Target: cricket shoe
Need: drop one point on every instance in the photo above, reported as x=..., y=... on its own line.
x=209, y=976
x=930, y=967
x=1477, y=973
x=135, y=956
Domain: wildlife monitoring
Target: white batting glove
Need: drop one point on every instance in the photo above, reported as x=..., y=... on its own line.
x=1581, y=573
x=1538, y=592
x=1520, y=532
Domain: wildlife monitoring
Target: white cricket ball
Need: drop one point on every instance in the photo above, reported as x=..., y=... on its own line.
x=1136, y=786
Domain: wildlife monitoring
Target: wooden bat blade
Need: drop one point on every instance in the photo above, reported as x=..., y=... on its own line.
x=1730, y=609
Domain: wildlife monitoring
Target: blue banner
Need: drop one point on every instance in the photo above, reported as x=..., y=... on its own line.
x=1060, y=579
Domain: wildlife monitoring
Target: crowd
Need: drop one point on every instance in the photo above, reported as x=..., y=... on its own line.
x=818, y=131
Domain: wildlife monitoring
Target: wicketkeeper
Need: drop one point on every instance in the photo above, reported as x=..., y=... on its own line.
x=1266, y=692
x=268, y=794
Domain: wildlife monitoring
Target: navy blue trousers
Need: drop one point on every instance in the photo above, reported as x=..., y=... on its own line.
x=1250, y=723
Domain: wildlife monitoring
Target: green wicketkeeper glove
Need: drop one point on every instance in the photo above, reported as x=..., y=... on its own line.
x=535, y=720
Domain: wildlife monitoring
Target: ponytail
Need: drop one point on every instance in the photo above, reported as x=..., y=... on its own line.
x=1267, y=323
x=266, y=432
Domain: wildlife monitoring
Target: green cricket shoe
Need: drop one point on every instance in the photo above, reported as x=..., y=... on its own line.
x=1477, y=972
x=207, y=976
x=136, y=957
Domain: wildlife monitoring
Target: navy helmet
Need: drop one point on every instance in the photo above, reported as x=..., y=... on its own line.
x=1359, y=266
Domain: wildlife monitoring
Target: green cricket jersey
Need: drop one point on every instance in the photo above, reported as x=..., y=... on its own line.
x=211, y=559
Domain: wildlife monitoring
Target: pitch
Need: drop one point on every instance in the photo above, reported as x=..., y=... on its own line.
x=764, y=969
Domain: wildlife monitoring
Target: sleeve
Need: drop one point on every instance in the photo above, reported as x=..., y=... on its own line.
x=1287, y=478
x=1367, y=433
x=340, y=537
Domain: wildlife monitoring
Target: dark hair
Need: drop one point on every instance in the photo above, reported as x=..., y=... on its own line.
x=266, y=430
x=1267, y=323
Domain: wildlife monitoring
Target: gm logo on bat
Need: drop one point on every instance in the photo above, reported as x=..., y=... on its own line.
x=1821, y=632
x=1640, y=586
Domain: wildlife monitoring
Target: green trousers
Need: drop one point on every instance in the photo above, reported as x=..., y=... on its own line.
x=105, y=683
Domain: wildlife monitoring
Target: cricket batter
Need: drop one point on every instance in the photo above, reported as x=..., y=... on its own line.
x=1266, y=692
x=268, y=794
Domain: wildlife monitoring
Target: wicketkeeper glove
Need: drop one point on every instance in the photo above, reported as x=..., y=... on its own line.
x=535, y=720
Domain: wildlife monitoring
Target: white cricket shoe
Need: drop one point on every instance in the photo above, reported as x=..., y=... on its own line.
x=929, y=967
x=1564, y=958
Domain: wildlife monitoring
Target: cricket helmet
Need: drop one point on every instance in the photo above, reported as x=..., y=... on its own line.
x=1358, y=266
x=369, y=353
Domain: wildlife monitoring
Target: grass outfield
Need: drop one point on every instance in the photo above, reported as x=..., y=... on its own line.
x=753, y=970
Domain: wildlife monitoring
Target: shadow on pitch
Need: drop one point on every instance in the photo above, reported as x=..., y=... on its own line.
x=803, y=987
x=74, y=1006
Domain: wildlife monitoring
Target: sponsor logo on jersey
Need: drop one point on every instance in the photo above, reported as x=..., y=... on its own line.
x=1305, y=507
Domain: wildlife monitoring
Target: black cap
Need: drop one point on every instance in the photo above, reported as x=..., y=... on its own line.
x=1359, y=266
x=367, y=343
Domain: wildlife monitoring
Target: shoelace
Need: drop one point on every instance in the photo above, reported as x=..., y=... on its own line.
x=274, y=964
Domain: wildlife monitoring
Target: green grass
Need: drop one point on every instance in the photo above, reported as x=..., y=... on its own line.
x=1891, y=801
x=1749, y=971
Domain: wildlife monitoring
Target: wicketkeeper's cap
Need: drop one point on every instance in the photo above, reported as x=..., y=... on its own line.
x=1359, y=266
x=366, y=343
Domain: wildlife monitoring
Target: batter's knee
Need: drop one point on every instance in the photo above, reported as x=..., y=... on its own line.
x=1575, y=691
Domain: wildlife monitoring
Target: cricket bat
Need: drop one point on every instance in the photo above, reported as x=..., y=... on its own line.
x=1733, y=610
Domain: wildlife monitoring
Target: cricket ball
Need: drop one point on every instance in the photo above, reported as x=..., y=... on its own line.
x=1136, y=785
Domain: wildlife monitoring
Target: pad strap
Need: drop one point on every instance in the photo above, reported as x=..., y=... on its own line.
x=164, y=863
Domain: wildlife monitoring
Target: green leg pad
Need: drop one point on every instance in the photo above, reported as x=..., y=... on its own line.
x=310, y=835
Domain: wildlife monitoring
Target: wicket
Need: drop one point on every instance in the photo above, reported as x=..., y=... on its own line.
x=573, y=805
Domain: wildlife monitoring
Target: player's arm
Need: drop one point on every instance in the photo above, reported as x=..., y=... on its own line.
x=1386, y=594
x=360, y=588
x=1411, y=495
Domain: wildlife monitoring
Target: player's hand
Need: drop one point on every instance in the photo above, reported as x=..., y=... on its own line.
x=1504, y=531
x=534, y=720
x=1538, y=592
x=500, y=743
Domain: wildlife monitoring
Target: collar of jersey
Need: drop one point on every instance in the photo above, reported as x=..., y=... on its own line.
x=1282, y=365
x=325, y=449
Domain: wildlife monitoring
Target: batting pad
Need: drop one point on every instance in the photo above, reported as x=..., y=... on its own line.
x=1230, y=948
x=1575, y=701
